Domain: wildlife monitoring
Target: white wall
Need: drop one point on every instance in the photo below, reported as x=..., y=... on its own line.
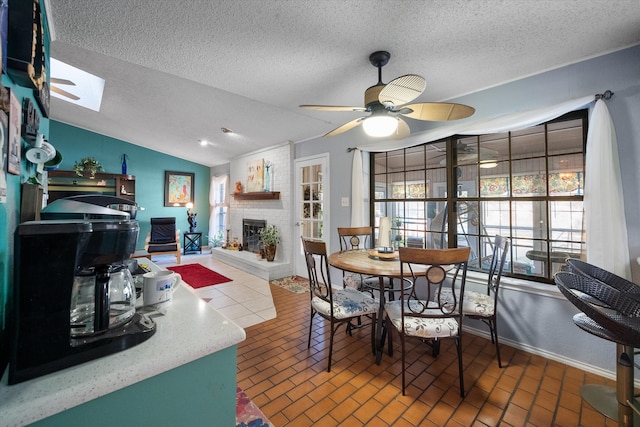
x=276, y=212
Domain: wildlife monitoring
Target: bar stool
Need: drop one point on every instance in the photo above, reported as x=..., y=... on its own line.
x=614, y=315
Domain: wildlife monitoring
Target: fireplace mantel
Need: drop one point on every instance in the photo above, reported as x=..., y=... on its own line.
x=258, y=195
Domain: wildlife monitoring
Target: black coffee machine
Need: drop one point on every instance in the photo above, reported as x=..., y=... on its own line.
x=73, y=300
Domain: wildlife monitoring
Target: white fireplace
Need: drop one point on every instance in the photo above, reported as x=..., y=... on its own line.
x=273, y=212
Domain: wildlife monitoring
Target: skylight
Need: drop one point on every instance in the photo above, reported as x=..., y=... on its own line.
x=76, y=86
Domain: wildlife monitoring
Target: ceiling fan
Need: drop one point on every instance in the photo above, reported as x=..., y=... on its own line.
x=387, y=103
x=56, y=89
x=469, y=154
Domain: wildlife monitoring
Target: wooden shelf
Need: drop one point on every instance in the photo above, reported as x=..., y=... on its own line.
x=63, y=183
x=258, y=195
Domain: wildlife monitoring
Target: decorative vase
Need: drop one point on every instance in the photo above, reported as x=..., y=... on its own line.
x=267, y=180
x=124, y=164
x=270, y=251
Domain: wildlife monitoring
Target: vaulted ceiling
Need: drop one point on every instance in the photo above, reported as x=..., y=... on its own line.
x=178, y=71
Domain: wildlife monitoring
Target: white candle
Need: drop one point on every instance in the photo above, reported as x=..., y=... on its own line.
x=384, y=233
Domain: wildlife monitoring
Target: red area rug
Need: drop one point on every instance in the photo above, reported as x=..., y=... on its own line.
x=198, y=276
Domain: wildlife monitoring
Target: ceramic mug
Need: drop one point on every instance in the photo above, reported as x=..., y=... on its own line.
x=158, y=287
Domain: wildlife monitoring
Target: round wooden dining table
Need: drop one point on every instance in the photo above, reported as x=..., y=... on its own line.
x=372, y=263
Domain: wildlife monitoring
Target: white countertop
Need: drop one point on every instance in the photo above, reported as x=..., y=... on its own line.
x=189, y=329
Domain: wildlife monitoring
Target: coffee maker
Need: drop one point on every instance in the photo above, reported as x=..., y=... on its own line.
x=73, y=299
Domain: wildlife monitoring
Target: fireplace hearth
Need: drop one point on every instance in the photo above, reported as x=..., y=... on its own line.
x=251, y=234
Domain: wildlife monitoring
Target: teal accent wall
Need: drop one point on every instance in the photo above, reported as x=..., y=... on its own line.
x=10, y=211
x=146, y=165
x=200, y=393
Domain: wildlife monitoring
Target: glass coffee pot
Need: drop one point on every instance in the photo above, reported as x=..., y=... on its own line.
x=102, y=298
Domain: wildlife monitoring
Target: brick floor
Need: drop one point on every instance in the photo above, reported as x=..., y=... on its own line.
x=291, y=386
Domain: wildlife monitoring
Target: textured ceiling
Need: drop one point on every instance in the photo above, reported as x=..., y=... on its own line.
x=178, y=71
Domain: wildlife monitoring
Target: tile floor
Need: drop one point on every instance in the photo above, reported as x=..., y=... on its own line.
x=246, y=299
x=291, y=386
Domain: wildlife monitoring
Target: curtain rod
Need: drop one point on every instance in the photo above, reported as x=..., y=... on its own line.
x=350, y=149
x=606, y=95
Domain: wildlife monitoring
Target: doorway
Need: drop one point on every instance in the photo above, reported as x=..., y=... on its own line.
x=311, y=205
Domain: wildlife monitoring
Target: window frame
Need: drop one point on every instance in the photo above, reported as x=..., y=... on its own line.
x=548, y=200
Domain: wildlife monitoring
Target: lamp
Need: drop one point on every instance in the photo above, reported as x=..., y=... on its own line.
x=191, y=217
x=380, y=125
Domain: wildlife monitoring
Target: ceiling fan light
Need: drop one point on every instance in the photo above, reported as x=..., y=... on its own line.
x=379, y=126
x=488, y=164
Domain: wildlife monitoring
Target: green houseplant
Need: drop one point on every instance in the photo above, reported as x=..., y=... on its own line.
x=87, y=165
x=270, y=238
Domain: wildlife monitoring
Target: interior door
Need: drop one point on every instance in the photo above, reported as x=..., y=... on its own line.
x=311, y=205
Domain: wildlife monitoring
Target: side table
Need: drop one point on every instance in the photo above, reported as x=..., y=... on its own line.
x=192, y=242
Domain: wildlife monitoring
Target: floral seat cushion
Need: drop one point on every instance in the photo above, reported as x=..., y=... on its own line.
x=475, y=303
x=346, y=303
x=418, y=326
x=352, y=280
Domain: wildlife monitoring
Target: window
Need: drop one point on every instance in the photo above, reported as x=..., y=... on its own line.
x=218, y=219
x=462, y=191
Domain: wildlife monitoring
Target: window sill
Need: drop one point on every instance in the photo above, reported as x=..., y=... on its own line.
x=518, y=285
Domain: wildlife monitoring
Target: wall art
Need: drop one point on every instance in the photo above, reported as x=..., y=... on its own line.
x=255, y=175
x=178, y=188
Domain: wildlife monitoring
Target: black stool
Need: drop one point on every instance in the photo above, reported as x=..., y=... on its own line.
x=614, y=315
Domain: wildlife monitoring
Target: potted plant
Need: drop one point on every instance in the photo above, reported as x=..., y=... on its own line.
x=87, y=165
x=270, y=237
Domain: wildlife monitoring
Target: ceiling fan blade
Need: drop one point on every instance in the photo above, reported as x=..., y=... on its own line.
x=345, y=127
x=402, y=90
x=64, y=93
x=332, y=108
x=403, y=130
x=62, y=81
x=438, y=111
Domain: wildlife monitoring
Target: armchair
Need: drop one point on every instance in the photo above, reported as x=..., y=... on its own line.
x=164, y=238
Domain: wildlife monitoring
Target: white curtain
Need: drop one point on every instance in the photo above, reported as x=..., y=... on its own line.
x=357, y=191
x=605, y=224
x=218, y=200
x=503, y=123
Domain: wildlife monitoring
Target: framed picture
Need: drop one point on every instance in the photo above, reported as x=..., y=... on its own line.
x=178, y=188
x=14, y=144
x=255, y=176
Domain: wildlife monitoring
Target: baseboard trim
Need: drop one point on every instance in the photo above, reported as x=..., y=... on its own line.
x=549, y=355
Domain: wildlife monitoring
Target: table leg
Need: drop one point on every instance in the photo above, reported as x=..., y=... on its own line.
x=380, y=326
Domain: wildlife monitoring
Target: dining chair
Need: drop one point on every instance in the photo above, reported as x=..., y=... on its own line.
x=483, y=306
x=429, y=319
x=355, y=238
x=359, y=238
x=335, y=305
x=164, y=238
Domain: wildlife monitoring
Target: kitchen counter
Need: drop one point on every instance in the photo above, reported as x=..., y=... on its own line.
x=189, y=330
